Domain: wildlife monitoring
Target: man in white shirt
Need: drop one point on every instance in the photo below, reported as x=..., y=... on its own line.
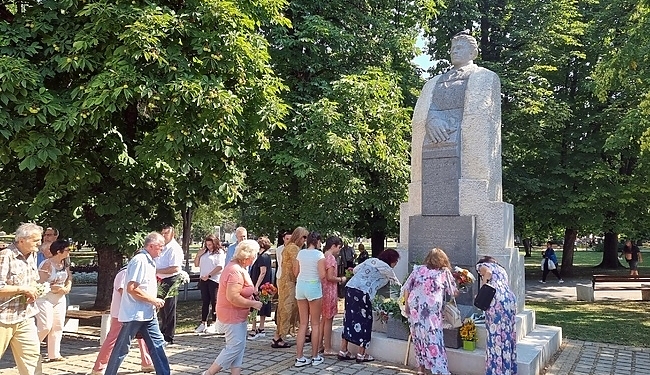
x=138, y=308
x=241, y=233
x=168, y=266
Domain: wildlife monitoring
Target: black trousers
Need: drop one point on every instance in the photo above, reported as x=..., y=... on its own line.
x=168, y=311
x=546, y=271
x=208, y=290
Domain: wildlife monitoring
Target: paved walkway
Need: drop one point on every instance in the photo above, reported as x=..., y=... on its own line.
x=193, y=353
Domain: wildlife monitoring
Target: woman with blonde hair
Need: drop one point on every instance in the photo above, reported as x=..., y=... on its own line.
x=235, y=299
x=287, y=313
x=424, y=294
x=210, y=259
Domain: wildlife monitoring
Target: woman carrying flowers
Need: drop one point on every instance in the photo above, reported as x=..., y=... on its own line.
x=261, y=275
x=424, y=293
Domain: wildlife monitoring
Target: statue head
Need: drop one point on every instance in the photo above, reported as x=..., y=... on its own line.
x=464, y=49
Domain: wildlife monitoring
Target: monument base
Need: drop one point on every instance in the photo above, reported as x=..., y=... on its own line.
x=535, y=347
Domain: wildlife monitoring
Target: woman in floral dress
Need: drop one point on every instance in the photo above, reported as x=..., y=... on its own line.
x=330, y=293
x=424, y=295
x=500, y=319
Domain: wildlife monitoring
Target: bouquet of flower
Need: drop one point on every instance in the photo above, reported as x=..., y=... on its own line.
x=385, y=307
x=468, y=330
x=464, y=278
x=181, y=279
x=349, y=272
x=267, y=291
x=41, y=290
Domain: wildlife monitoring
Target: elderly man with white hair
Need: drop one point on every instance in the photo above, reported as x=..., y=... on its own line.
x=18, y=278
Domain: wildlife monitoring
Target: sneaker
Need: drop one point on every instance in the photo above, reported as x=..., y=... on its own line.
x=201, y=328
x=315, y=361
x=300, y=362
x=561, y=281
x=147, y=369
x=256, y=336
x=210, y=329
x=542, y=281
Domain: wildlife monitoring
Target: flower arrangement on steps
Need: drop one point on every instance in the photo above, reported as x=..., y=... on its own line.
x=391, y=313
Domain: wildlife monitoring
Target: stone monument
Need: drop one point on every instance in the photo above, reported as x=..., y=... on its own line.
x=455, y=200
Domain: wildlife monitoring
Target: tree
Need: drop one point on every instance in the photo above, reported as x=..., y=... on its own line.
x=339, y=166
x=121, y=113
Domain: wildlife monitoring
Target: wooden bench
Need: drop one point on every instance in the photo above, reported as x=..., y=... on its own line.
x=608, y=279
x=73, y=314
x=618, y=279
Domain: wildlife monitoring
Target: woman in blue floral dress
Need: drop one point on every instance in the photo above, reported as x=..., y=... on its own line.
x=500, y=319
x=424, y=294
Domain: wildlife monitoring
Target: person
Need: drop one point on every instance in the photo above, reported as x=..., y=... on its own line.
x=168, y=267
x=261, y=274
x=500, y=320
x=424, y=295
x=286, y=236
x=235, y=299
x=52, y=306
x=309, y=268
x=329, y=285
x=347, y=256
x=633, y=257
x=550, y=257
x=138, y=308
x=19, y=277
x=363, y=254
x=210, y=259
x=50, y=235
x=360, y=290
x=109, y=342
x=287, y=312
x=240, y=234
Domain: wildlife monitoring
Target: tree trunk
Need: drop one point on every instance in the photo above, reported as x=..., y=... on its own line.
x=377, y=238
x=110, y=260
x=528, y=246
x=187, y=214
x=570, y=235
x=610, y=252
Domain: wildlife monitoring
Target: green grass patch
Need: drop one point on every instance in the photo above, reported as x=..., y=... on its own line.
x=617, y=322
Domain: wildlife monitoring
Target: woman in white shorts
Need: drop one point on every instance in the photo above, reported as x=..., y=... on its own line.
x=309, y=268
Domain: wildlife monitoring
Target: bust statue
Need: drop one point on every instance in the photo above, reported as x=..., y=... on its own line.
x=448, y=97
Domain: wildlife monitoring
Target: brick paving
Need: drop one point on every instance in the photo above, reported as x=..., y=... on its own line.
x=193, y=353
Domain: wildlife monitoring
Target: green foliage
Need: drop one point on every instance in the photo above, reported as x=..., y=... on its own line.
x=341, y=165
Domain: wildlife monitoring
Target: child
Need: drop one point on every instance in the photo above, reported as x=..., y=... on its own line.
x=330, y=297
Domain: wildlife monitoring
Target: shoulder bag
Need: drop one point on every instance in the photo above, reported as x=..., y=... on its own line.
x=450, y=313
x=485, y=296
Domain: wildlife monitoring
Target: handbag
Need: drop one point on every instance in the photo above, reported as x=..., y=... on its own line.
x=451, y=315
x=485, y=296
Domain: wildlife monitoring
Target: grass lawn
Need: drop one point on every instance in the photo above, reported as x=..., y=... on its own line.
x=617, y=322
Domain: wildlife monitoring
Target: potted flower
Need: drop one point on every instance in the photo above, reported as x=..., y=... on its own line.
x=391, y=313
x=468, y=334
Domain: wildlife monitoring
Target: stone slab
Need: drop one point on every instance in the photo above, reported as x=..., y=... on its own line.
x=440, y=184
x=456, y=235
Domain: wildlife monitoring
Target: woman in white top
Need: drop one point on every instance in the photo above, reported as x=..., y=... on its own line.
x=309, y=268
x=211, y=261
x=52, y=306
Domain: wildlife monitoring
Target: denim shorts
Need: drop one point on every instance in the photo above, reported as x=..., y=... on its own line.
x=634, y=264
x=309, y=290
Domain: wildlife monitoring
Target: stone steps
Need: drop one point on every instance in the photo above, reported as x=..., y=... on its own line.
x=535, y=347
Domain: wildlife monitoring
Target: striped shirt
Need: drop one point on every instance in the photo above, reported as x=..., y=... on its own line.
x=18, y=270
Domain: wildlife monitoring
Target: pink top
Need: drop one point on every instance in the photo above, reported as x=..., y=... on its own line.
x=226, y=311
x=330, y=291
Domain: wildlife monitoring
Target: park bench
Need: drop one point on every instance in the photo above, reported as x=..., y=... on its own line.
x=606, y=282
x=73, y=314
